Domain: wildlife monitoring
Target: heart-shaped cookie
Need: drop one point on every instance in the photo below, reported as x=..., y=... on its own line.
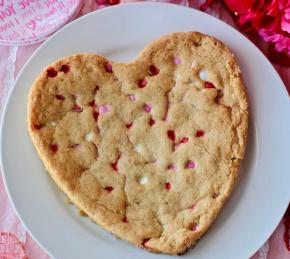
x=149, y=150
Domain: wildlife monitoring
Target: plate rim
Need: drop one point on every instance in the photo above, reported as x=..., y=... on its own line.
x=96, y=12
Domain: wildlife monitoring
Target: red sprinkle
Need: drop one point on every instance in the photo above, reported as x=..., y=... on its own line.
x=92, y=104
x=59, y=97
x=143, y=244
x=214, y=195
x=209, y=85
x=125, y=220
x=109, y=68
x=184, y=140
x=97, y=88
x=109, y=189
x=113, y=2
x=171, y=134
x=153, y=71
x=151, y=122
x=77, y=108
x=96, y=115
x=129, y=125
x=192, y=206
x=115, y=164
x=199, y=133
x=64, y=68
x=36, y=126
x=142, y=83
x=54, y=148
x=168, y=186
x=51, y=72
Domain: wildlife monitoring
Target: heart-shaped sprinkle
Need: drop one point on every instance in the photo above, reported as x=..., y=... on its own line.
x=147, y=108
x=203, y=75
x=101, y=2
x=35, y=126
x=115, y=164
x=189, y=164
x=64, y=68
x=168, y=186
x=104, y=109
x=142, y=83
x=143, y=180
x=129, y=125
x=125, y=220
x=177, y=61
x=171, y=167
x=143, y=244
x=77, y=108
x=95, y=115
x=192, y=206
x=214, y=195
x=109, y=68
x=51, y=72
x=194, y=227
x=108, y=189
x=54, y=148
x=171, y=134
x=113, y=2
x=97, y=88
x=199, y=133
x=132, y=97
x=151, y=122
x=183, y=140
x=59, y=97
x=209, y=85
x=153, y=70
x=92, y=104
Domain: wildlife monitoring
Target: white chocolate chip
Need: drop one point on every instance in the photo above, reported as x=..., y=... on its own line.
x=89, y=136
x=203, y=75
x=143, y=180
x=53, y=123
x=138, y=148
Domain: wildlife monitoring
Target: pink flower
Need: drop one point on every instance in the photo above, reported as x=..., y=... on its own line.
x=269, y=19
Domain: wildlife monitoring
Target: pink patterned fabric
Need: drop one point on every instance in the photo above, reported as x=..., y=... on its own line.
x=15, y=242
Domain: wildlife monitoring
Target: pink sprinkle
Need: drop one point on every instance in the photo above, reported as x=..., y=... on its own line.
x=194, y=227
x=109, y=68
x=147, y=107
x=104, y=109
x=184, y=140
x=101, y=2
x=171, y=167
x=190, y=164
x=177, y=61
x=132, y=97
x=192, y=206
x=77, y=108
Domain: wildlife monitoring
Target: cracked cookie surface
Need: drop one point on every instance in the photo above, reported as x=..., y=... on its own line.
x=149, y=150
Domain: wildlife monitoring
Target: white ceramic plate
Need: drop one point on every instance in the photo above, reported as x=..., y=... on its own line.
x=119, y=33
